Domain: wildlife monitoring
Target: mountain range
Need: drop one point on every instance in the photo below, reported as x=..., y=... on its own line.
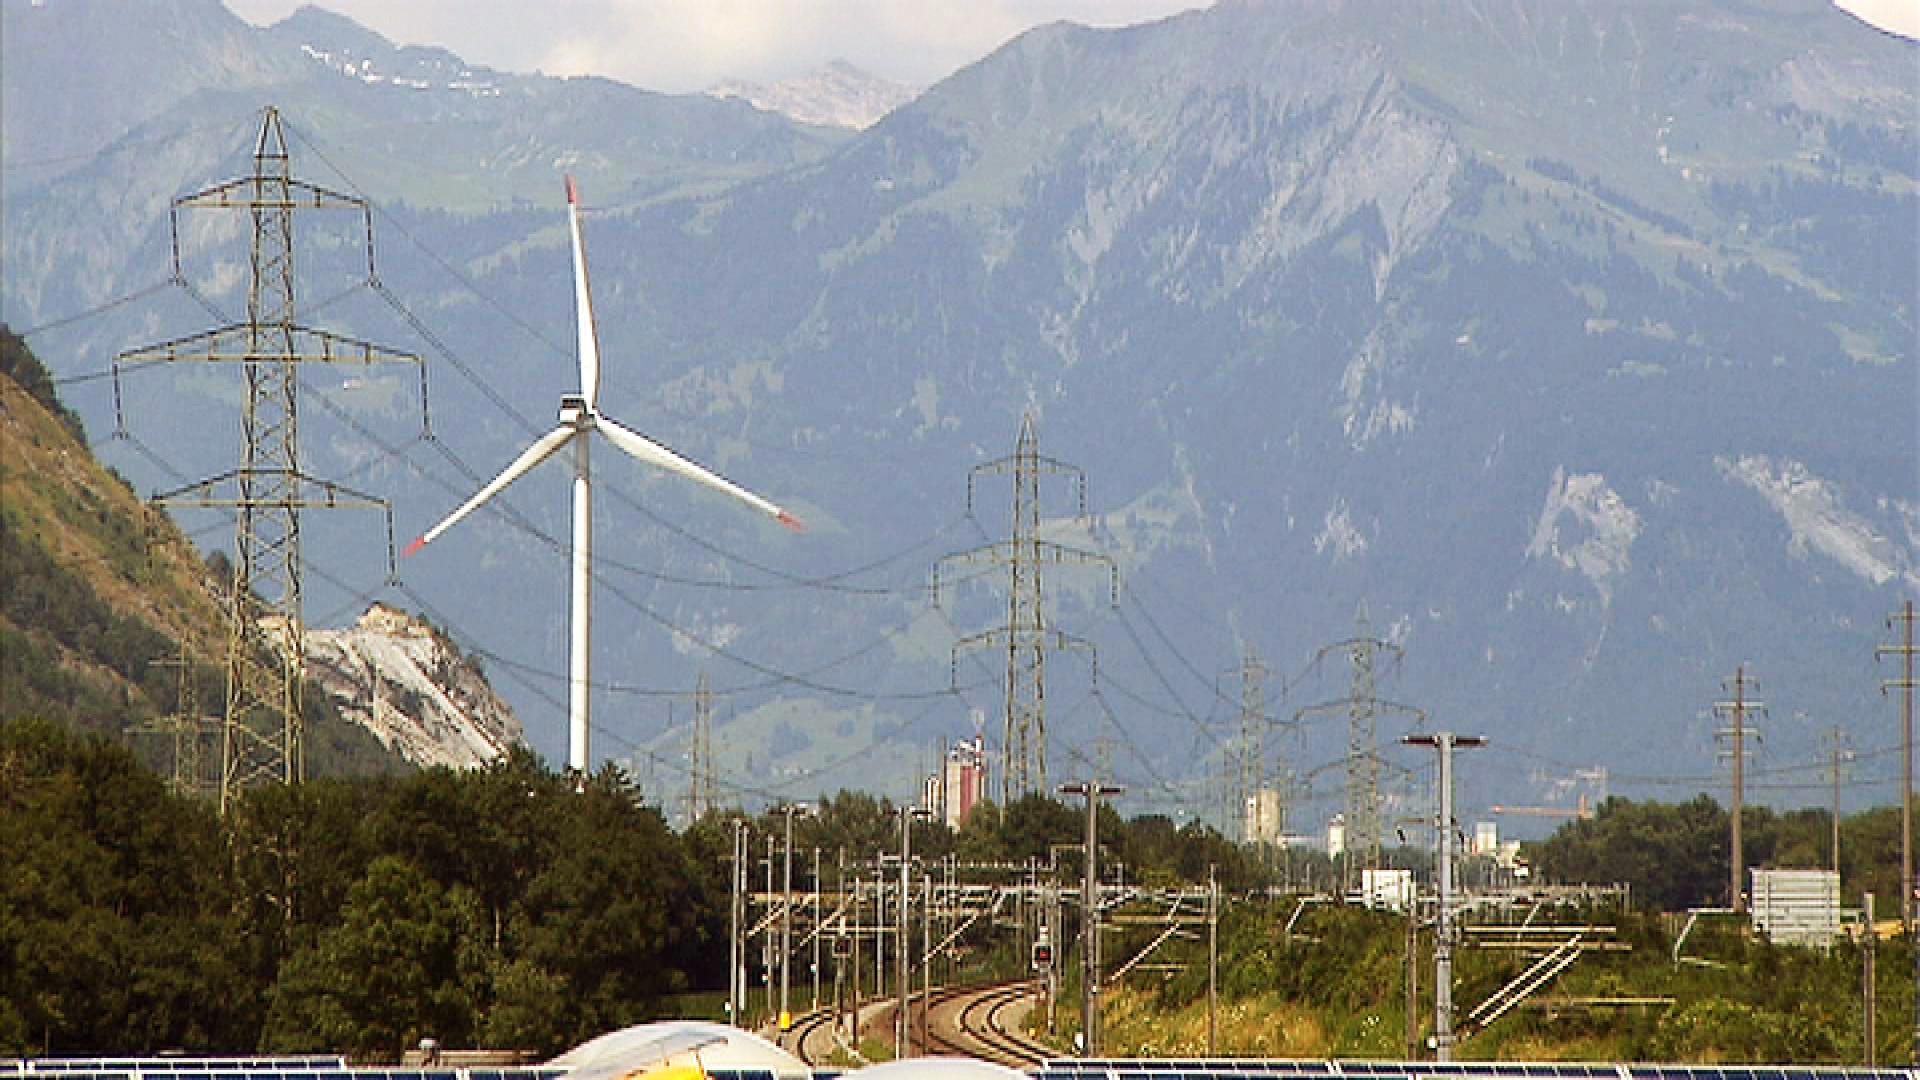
x=1568, y=346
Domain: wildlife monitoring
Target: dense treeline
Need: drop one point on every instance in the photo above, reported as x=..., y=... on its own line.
x=498, y=907
x=1674, y=855
x=507, y=906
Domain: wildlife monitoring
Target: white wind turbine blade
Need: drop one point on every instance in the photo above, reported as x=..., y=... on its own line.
x=654, y=454
x=531, y=456
x=583, y=305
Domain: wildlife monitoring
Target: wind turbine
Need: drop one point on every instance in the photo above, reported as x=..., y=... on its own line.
x=580, y=415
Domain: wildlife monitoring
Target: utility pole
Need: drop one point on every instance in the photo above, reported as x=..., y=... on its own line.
x=1905, y=650
x=1736, y=734
x=786, y=912
x=264, y=738
x=1867, y=995
x=879, y=929
x=1412, y=980
x=1838, y=755
x=736, y=949
x=1362, y=706
x=926, y=955
x=767, y=939
x=840, y=935
x=902, y=1042
x=859, y=915
x=1445, y=742
x=1906, y=683
x=1025, y=636
x=816, y=929
x=1092, y=791
x=1213, y=962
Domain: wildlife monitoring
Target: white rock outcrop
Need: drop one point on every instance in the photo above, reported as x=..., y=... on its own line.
x=405, y=682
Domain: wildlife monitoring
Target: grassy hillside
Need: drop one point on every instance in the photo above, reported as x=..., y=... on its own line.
x=99, y=595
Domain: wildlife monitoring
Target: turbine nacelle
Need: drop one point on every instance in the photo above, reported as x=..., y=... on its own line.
x=575, y=412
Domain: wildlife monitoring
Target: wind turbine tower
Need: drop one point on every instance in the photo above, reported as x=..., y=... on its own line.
x=580, y=416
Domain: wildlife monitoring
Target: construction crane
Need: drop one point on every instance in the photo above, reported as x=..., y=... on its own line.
x=1582, y=811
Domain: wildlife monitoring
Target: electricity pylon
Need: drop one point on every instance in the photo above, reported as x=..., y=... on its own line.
x=1362, y=706
x=1736, y=733
x=185, y=726
x=264, y=723
x=1025, y=636
x=1251, y=776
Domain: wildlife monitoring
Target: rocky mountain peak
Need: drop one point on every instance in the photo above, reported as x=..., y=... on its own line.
x=838, y=95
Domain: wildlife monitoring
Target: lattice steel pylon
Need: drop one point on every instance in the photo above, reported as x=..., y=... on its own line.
x=1026, y=637
x=264, y=737
x=1362, y=706
x=1250, y=779
x=185, y=726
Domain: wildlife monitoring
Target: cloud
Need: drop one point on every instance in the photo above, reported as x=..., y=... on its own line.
x=688, y=45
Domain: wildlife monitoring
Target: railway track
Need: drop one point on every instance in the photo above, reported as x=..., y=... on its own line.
x=979, y=1027
x=808, y=1029
x=967, y=1021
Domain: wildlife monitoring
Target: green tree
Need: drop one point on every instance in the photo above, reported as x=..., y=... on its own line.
x=395, y=969
x=1674, y=856
x=614, y=911
x=112, y=912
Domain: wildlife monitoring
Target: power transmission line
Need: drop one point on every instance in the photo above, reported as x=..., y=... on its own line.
x=1025, y=635
x=265, y=725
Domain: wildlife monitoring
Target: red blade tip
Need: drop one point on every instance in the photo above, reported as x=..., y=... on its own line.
x=573, y=193
x=413, y=547
x=791, y=522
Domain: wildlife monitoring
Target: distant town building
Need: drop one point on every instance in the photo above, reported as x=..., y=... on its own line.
x=1486, y=838
x=1261, y=819
x=960, y=785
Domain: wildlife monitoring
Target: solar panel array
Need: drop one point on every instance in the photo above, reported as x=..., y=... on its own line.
x=336, y=1068
x=173, y=1064
x=266, y=1068
x=1238, y=1069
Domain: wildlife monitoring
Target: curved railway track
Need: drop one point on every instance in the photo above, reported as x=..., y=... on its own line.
x=980, y=1027
x=967, y=1021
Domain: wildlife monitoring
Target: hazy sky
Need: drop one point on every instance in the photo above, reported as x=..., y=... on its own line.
x=681, y=45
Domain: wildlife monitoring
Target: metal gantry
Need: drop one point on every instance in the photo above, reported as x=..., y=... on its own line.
x=264, y=719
